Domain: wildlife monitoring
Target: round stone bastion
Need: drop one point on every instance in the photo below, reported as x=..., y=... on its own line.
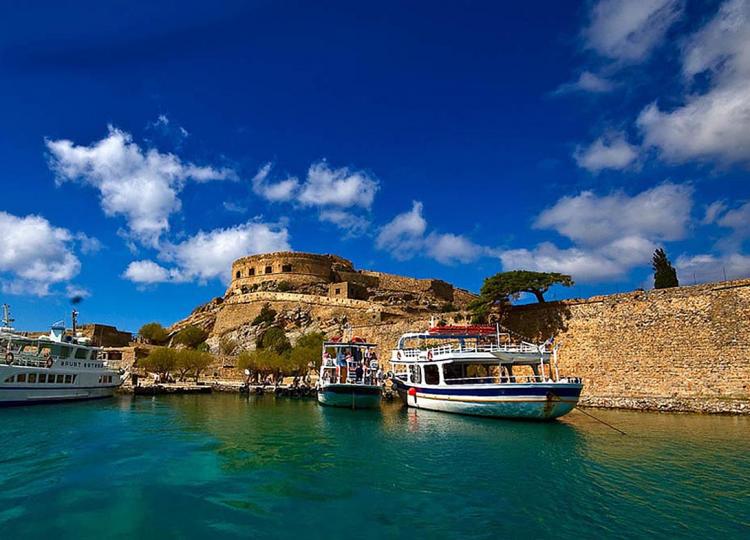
x=292, y=267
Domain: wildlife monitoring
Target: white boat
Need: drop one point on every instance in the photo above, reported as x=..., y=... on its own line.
x=349, y=375
x=53, y=368
x=478, y=370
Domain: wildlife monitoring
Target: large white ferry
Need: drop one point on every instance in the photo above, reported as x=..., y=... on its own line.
x=350, y=375
x=478, y=370
x=58, y=367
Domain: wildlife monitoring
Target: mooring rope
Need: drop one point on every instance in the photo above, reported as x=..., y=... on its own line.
x=600, y=420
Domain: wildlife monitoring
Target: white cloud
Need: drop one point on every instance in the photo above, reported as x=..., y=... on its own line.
x=449, y=248
x=284, y=190
x=611, y=234
x=713, y=211
x=209, y=255
x=141, y=185
x=34, y=255
x=607, y=152
x=628, y=30
x=661, y=213
x=341, y=187
x=353, y=224
x=707, y=267
x=714, y=125
x=404, y=237
x=76, y=291
x=146, y=272
x=587, y=82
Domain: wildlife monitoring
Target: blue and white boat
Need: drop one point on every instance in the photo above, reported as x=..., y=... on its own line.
x=350, y=375
x=54, y=368
x=478, y=370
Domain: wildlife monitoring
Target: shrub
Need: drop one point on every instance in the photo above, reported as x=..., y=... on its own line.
x=284, y=286
x=267, y=315
x=153, y=333
x=448, y=307
x=275, y=339
x=190, y=336
x=313, y=340
x=162, y=361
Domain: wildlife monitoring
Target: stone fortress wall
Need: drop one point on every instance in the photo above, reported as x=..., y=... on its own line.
x=299, y=269
x=684, y=348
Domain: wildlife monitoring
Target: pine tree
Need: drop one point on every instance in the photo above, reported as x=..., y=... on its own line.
x=665, y=275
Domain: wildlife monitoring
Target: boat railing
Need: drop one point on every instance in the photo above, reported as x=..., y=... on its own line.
x=25, y=361
x=495, y=379
x=435, y=353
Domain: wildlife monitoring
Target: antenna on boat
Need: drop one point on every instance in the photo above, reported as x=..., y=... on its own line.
x=74, y=319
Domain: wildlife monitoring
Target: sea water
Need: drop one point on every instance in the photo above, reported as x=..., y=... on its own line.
x=226, y=466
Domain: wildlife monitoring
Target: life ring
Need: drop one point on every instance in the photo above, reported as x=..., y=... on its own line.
x=398, y=355
x=49, y=362
x=9, y=358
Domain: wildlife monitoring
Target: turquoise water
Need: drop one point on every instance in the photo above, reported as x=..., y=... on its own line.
x=227, y=466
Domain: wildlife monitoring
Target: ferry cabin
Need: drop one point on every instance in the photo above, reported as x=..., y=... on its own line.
x=43, y=370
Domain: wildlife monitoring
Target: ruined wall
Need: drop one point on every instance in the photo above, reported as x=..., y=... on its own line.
x=685, y=348
x=393, y=282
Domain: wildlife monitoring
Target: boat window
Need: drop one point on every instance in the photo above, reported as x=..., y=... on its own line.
x=32, y=377
x=12, y=378
x=21, y=377
x=64, y=351
x=452, y=373
x=60, y=379
x=51, y=379
x=42, y=377
x=416, y=374
x=81, y=353
x=68, y=379
x=431, y=375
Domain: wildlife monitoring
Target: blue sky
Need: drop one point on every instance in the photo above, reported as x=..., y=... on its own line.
x=144, y=147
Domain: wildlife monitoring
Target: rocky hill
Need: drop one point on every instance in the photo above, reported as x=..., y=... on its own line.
x=303, y=293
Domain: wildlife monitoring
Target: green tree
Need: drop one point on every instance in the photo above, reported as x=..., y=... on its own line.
x=267, y=315
x=153, y=333
x=161, y=360
x=190, y=336
x=312, y=340
x=275, y=339
x=192, y=362
x=665, y=275
x=261, y=362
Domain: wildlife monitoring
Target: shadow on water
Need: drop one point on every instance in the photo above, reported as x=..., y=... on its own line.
x=231, y=466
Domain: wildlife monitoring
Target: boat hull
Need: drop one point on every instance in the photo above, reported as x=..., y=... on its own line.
x=535, y=401
x=351, y=396
x=32, y=396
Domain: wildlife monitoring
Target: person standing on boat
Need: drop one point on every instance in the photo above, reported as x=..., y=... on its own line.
x=341, y=367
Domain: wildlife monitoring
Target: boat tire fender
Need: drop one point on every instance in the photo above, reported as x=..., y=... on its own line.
x=9, y=358
x=48, y=362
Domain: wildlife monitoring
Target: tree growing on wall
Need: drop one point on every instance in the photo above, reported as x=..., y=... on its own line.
x=665, y=275
x=497, y=290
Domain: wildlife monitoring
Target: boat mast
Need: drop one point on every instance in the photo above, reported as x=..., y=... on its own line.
x=7, y=319
x=74, y=319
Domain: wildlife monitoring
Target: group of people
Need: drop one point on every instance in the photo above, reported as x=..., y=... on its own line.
x=353, y=367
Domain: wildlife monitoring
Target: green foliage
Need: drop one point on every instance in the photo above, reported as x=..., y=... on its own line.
x=448, y=307
x=267, y=315
x=193, y=362
x=283, y=286
x=261, y=361
x=203, y=347
x=665, y=275
x=313, y=340
x=505, y=285
x=275, y=339
x=227, y=346
x=153, y=333
x=190, y=336
x=161, y=360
